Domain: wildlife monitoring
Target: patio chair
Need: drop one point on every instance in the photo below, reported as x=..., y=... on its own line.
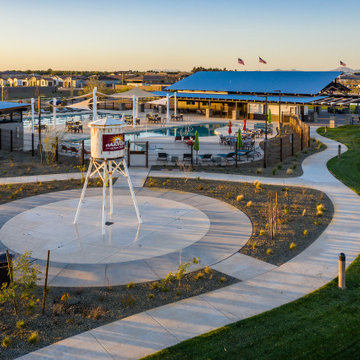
x=178, y=138
x=186, y=138
x=205, y=158
x=162, y=156
x=187, y=157
x=65, y=148
x=73, y=149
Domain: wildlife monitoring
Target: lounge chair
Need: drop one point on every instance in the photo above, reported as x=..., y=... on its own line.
x=162, y=156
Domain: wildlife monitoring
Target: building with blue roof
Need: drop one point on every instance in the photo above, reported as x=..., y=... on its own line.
x=235, y=94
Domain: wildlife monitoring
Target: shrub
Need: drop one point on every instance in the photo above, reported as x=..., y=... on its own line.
x=200, y=187
x=320, y=207
x=207, y=270
x=319, y=213
x=249, y=203
x=258, y=185
x=240, y=198
x=34, y=337
x=65, y=297
x=164, y=183
x=199, y=275
x=294, y=165
x=227, y=195
x=279, y=165
x=127, y=300
x=96, y=313
x=6, y=342
x=262, y=232
x=151, y=296
x=255, y=182
x=292, y=246
x=269, y=251
x=211, y=191
x=286, y=210
x=222, y=279
x=303, y=212
x=20, y=324
x=254, y=246
x=316, y=222
x=289, y=171
x=274, y=171
x=259, y=170
x=130, y=285
x=305, y=232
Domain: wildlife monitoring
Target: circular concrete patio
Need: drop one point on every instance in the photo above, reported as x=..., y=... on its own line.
x=176, y=227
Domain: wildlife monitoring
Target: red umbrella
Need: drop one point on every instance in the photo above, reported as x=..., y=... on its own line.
x=244, y=128
x=229, y=130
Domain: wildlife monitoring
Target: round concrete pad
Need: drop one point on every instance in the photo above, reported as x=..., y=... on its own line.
x=177, y=227
x=167, y=226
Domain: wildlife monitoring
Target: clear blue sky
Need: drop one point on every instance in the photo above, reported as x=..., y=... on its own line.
x=158, y=34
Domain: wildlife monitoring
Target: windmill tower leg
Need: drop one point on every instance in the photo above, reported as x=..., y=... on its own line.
x=83, y=191
x=132, y=191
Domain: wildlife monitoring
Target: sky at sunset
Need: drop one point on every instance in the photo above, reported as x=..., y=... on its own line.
x=177, y=35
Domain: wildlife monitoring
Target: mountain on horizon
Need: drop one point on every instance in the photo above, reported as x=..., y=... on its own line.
x=346, y=69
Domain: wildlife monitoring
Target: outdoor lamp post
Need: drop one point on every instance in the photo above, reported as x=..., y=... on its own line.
x=280, y=123
x=266, y=117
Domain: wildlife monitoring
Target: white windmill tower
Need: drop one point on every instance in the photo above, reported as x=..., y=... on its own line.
x=107, y=160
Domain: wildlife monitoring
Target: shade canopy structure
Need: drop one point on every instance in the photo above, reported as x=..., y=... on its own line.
x=162, y=102
x=82, y=105
x=137, y=92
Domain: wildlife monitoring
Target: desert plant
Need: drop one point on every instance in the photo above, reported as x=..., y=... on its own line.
x=207, y=270
x=6, y=342
x=319, y=213
x=269, y=251
x=151, y=296
x=240, y=198
x=200, y=187
x=211, y=191
x=262, y=232
x=19, y=324
x=289, y=171
x=34, y=337
x=274, y=171
x=222, y=279
x=130, y=285
x=254, y=245
x=279, y=165
x=303, y=212
x=305, y=232
x=154, y=285
x=320, y=207
x=200, y=275
x=259, y=170
x=65, y=298
x=127, y=300
x=258, y=185
x=249, y=203
x=286, y=210
x=96, y=313
x=292, y=246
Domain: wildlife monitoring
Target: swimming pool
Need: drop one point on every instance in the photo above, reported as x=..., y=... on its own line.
x=206, y=129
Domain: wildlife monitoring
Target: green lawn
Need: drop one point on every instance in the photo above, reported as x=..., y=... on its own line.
x=347, y=168
x=322, y=325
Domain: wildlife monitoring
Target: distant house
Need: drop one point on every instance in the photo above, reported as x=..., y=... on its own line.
x=109, y=81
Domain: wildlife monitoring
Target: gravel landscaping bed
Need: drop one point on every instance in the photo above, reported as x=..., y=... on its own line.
x=21, y=163
x=303, y=213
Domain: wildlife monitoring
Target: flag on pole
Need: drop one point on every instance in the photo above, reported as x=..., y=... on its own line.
x=241, y=61
x=262, y=61
x=342, y=63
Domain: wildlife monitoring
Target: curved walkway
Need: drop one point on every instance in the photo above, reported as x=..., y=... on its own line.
x=147, y=332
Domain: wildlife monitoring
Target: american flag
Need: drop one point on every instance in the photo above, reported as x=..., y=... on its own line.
x=342, y=63
x=262, y=61
x=241, y=61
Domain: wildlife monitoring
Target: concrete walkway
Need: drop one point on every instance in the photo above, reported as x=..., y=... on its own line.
x=147, y=332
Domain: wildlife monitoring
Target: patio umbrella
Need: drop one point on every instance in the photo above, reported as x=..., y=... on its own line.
x=229, y=130
x=244, y=128
x=269, y=117
x=196, y=144
x=239, y=140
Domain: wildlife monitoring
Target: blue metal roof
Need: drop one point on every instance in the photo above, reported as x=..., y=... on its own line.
x=7, y=105
x=288, y=82
x=235, y=97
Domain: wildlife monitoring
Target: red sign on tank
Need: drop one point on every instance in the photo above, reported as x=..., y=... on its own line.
x=113, y=142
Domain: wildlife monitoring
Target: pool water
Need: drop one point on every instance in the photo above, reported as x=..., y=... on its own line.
x=202, y=129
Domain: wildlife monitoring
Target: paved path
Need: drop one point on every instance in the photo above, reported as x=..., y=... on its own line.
x=147, y=332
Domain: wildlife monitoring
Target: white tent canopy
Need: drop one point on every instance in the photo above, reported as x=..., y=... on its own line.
x=83, y=105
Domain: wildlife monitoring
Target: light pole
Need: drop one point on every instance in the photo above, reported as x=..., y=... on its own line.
x=266, y=116
x=280, y=123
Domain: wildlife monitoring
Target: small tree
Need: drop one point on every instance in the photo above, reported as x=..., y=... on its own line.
x=25, y=275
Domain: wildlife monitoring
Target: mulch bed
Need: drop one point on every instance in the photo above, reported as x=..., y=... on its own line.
x=83, y=309
x=257, y=167
x=297, y=223
x=21, y=163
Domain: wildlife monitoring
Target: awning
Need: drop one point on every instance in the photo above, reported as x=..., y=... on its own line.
x=82, y=105
x=162, y=102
